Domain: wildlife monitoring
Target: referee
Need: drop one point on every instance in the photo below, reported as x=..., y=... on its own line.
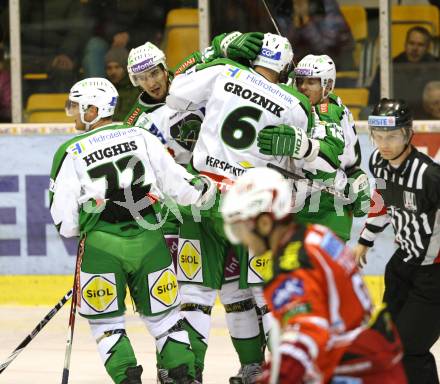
x=411, y=202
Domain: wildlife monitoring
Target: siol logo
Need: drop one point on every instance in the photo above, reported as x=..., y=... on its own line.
x=261, y=265
x=266, y=52
x=165, y=288
x=99, y=293
x=190, y=261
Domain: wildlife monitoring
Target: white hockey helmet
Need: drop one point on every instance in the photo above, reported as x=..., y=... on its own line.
x=144, y=58
x=276, y=53
x=95, y=91
x=258, y=190
x=320, y=67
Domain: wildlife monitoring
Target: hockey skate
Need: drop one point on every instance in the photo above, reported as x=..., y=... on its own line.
x=247, y=374
x=133, y=375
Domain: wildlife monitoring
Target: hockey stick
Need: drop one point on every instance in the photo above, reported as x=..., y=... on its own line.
x=35, y=331
x=73, y=303
x=271, y=17
x=310, y=183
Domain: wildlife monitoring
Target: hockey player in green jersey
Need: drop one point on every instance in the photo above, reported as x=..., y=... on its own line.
x=148, y=69
x=315, y=77
x=178, y=131
x=240, y=101
x=99, y=188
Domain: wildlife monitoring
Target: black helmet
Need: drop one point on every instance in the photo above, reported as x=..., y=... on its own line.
x=390, y=114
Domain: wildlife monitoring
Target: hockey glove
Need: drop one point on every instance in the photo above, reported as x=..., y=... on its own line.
x=237, y=46
x=283, y=140
x=291, y=372
x=358, y=189
x=209, y=191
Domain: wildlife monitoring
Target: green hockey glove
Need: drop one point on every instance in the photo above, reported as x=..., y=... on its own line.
x=358, y=188
x=242, y=46
x=283, y=140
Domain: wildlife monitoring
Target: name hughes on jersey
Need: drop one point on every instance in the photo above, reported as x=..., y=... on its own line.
x=107, y=152
x=254, y=97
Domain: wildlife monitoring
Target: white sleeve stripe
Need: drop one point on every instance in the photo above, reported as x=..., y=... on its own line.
x=413, y=169
x=297, y=354
x=306, y=340
x=316, y=320
x=368, y=235
x=420, y=175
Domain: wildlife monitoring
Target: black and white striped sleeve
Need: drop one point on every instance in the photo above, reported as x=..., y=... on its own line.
x=376, y=222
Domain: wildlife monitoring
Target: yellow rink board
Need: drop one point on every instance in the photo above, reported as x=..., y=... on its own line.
x=34, y=290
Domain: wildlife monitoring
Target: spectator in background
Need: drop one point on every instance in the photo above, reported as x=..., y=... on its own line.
x=431, y=100
x=312, y=26
x=116, y=71
x=417, y=44
x=121, y=24
x=320, y=28
x=317, y=27
x=53, y=34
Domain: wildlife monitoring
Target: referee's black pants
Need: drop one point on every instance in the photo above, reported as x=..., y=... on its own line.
x=413, y=296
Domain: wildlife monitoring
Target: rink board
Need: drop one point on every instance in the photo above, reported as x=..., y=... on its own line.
x=36, y=264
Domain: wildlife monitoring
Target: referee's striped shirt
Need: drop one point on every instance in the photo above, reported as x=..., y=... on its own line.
x=411, y=198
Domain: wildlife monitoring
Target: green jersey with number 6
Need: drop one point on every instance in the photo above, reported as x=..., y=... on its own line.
x=239, y=103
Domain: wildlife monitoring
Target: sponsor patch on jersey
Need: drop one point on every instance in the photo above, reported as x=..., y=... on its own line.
x=297, y=309
x=409, y=200
x=232, y=266
x=332, y=245
x=224, y=165
x=233, y=72
x=261, y=265
x=132, y=117
x=164, y=289
x=185, y=65
x=287, y=291
x=76, y=149
x=245, y=164
x=289, y=260
x=99, y=293
x=107, y=135
x=323, y=108
x=382, y=121
x=189, y=258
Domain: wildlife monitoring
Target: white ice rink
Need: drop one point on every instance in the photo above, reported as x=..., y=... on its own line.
x=41, y=362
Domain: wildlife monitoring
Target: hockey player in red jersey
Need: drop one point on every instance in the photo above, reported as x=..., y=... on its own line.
x=328, y=332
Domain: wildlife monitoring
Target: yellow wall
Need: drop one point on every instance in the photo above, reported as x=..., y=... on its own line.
x=49, y=289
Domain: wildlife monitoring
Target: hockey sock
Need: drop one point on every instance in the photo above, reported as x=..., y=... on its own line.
x=174, y=349
x=197, y=324
x=244, y=329
x=114, y=346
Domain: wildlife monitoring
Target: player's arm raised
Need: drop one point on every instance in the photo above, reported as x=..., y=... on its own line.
x=174, y=180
